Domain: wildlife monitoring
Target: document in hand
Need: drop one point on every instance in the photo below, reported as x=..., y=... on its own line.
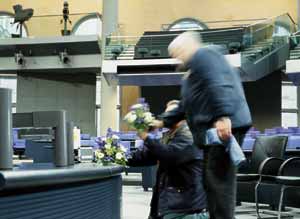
x=232, y=146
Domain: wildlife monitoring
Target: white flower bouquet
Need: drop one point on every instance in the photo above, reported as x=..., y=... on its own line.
x=110, y=150
x=139, y=117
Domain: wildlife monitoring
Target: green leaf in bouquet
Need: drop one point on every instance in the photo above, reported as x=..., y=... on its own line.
x=109, y=141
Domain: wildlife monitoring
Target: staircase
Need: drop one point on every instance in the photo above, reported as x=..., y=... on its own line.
x=295, y=53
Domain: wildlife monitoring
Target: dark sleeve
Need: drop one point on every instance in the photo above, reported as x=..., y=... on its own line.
x=173, y=117
x=178, y=151
x=216, y=75
x=142, y=157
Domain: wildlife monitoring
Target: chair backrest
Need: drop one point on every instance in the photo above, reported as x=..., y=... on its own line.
x=293, y=142
x=291, y=167
x=265, y=147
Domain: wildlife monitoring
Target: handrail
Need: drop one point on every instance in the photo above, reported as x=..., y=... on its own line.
x=59, y=15
x=271, y=18
x=239, y=20
x=227, y=21
x=165, y=26
x=294, y=34
x=291, y=18
x=208, y=31
x=71, y=14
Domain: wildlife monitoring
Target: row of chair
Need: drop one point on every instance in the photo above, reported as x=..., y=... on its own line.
x=155, y=43
x=268, y=169
x=275, y=130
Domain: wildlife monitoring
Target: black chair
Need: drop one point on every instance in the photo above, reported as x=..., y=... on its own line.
x=155, y=52
x=234, y=47
x=267, y=155
x=264, y=147
x=288, y=177
x=143, y=51
x=268, y=172
x=116, y=51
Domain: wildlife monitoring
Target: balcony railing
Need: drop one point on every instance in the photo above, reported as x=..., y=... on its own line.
x=252, y=40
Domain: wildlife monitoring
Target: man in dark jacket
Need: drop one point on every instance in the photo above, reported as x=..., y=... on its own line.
x=178, y=192
x=212, y=97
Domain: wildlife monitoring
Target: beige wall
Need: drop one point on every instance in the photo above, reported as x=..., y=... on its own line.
x=139, y=15
x=51, y=26
x=6, y=5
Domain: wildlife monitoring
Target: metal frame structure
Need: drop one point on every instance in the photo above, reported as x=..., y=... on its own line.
x=43, y=55
x=135, y=72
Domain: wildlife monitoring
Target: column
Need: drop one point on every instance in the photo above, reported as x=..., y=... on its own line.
x=109, y=94
x=6, y=148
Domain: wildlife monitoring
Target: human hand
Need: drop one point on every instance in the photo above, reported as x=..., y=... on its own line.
x=157, y=124
x=223, y=126
x=142, y=134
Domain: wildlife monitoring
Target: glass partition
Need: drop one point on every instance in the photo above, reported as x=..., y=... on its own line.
x=8, y=27
x=253, y=41
x=51, y=25
x=266, y=36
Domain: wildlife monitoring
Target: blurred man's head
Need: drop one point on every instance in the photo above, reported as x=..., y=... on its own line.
x=171, y=105
x=184, y=46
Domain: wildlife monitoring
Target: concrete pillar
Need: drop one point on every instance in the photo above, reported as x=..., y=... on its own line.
x=6, y=150
x=61, y=148
x=298, y=105
x=109, y=94
x=70, y=143
x=298, y=14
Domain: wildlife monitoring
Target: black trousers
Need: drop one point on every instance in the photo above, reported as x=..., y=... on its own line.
x=220, y=180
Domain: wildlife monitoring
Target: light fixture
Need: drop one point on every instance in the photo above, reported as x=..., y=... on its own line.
x=19, y=58
x=64, y=57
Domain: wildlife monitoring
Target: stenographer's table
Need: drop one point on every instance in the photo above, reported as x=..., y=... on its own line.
x=86, y=191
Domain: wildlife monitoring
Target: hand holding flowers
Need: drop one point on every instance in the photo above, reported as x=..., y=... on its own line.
x=139, y=117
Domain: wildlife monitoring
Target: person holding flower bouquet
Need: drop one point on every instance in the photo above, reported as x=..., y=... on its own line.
x=178, y=192
x=212, y=98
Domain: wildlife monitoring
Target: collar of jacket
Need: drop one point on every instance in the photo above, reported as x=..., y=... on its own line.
x=171, y=133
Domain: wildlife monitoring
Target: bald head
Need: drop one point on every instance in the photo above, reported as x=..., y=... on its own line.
x=172, y=105
x=184, y=46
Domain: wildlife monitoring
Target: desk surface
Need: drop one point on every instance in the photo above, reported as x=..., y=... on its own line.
x=35, y=175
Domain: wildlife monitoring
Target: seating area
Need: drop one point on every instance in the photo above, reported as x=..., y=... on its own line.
x=262, y=48
x=273, y=166
x=154, y=44
x=293, y=134
x=254, y=42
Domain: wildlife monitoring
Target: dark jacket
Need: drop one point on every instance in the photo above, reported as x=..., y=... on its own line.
x=212, y=90
x=179, y=178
